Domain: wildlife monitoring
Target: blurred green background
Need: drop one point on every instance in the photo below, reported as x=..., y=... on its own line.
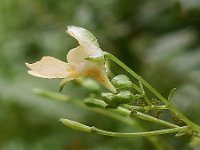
x=159, y=39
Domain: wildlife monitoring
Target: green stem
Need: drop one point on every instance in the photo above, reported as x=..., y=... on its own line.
x=146, y=117
x=154, y=91
x=141, y=90
x=144, y=93
x=127, y=113
x=147, y=108
x=153, y=119
x=136, y=88
x=99, y=105
x=64, y=98
x=147, y=100
x=120, y=116
x=148, y=133
x=84, y=128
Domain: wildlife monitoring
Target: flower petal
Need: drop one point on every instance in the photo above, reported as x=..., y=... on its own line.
x=77, y=55
x=100, y=75
x=49, y=67
x=88, y=43
x=84, y=37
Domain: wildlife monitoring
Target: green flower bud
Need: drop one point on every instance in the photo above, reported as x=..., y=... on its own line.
x=114, y=100
x=123, y=97
x=75, y=125
x=107, y=97
x=121, y=82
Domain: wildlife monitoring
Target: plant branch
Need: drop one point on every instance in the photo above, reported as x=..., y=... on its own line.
x=121, y=115
x=154, y=91
x=84, y=128
x=136, y=134
x=95, y=104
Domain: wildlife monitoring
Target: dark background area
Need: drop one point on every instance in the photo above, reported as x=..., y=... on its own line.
x=159, y=39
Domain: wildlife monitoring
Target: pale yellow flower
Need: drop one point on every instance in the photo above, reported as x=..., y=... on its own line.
x=78, y=65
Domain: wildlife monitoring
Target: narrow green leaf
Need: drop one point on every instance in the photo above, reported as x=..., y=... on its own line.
x=171, y=94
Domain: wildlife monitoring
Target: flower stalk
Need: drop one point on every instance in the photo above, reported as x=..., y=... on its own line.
x=138, y=134
x=84, y=128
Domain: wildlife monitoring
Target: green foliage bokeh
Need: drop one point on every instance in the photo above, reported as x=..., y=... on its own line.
x=159, y=39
